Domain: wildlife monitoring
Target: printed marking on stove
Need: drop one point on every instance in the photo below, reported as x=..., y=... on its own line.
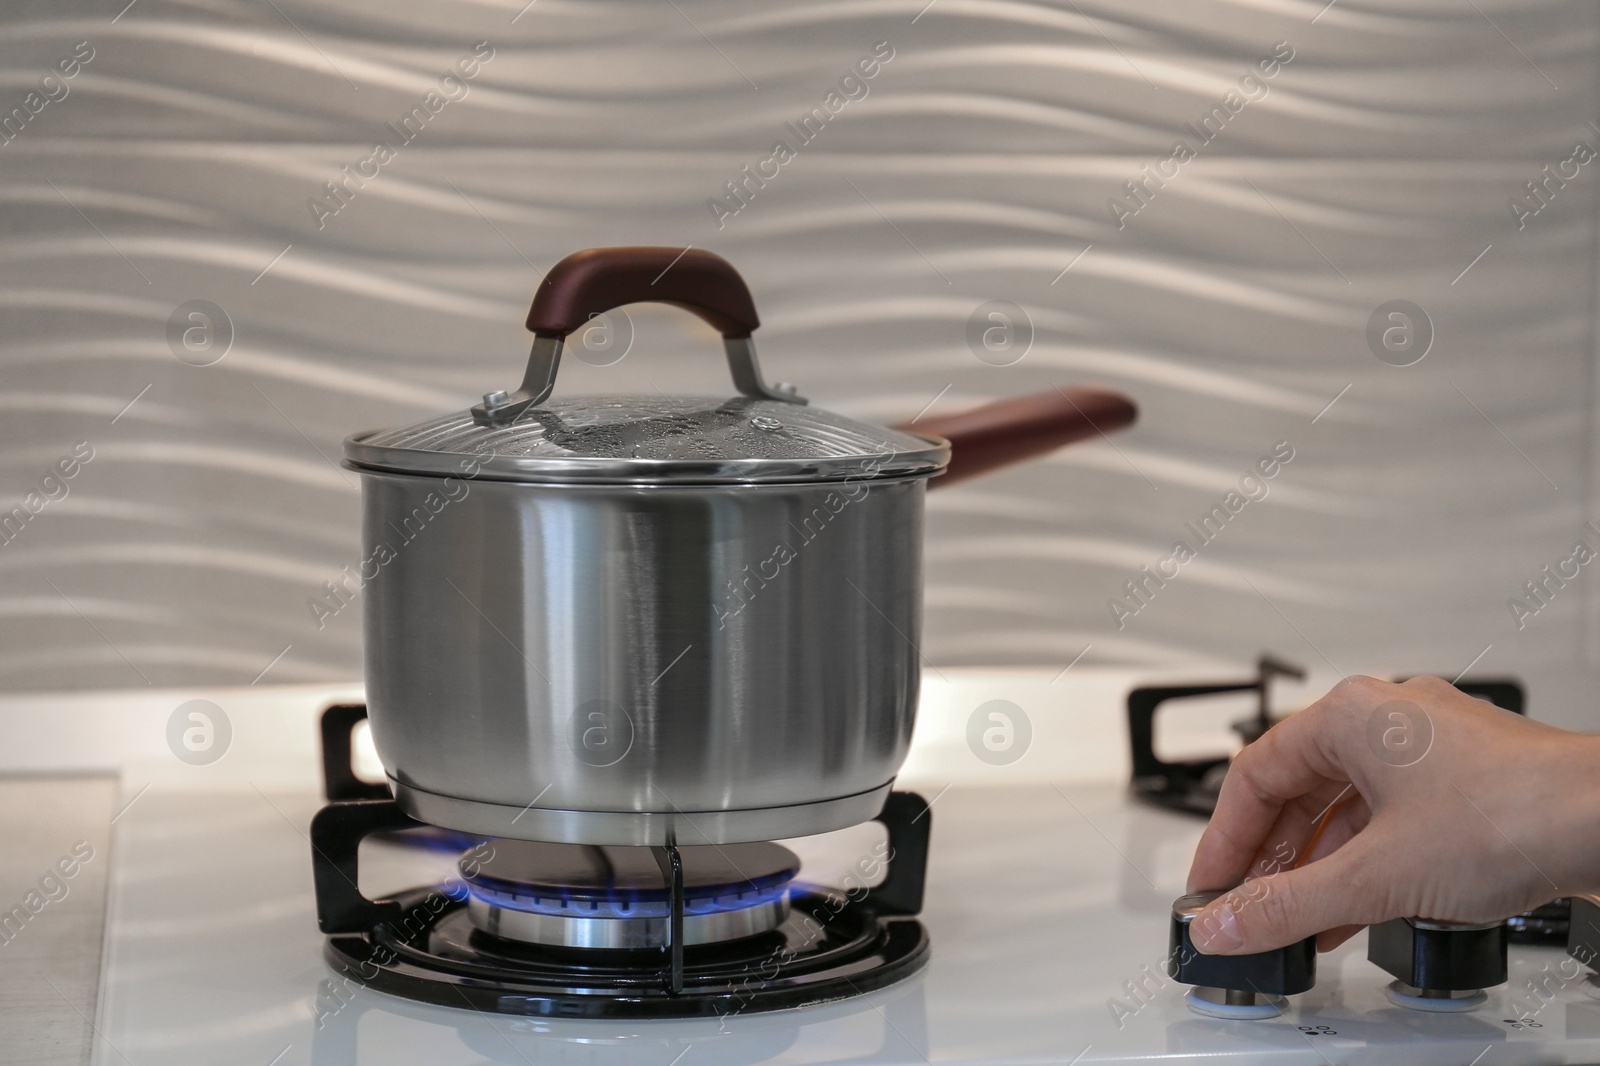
x=1308, y=1032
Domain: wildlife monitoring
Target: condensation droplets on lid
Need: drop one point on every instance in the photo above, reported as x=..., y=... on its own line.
x=634, y=439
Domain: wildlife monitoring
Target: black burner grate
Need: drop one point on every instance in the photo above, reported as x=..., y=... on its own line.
x=823, y=952
x=423, y=946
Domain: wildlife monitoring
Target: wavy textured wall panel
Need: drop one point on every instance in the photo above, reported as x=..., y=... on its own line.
x=1007, y=151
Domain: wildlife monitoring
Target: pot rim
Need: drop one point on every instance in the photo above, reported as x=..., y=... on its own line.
x=920, y=463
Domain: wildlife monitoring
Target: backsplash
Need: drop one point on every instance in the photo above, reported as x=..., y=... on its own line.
x=238, y=232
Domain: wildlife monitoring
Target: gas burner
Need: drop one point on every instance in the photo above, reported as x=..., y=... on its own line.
x=586, y=896
x=583, y=931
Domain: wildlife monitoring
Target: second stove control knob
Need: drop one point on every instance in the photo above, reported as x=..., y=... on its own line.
x=1439, y=966
x=1583, y=939
x=1236, y=986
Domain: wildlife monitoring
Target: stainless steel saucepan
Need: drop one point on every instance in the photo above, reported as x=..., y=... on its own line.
x=653, y=619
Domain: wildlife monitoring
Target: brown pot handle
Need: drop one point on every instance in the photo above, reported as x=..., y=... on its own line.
x=597, y=280
x=1021, y=427
x=594, y=281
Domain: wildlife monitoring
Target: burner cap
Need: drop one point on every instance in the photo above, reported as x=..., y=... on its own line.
x=577, y=895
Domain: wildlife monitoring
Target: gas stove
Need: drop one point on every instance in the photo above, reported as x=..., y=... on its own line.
x=1034, y=928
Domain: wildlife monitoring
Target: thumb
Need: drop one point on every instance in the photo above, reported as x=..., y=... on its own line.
x=1271, y=912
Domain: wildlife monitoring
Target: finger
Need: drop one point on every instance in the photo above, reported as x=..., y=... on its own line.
x=1329, y=939
x=1308, y=831
x=1349, y=817
x=1300, y=827
x=1256, y=809
x=1295, y=757
x=1282, y=847
x=1271, y=912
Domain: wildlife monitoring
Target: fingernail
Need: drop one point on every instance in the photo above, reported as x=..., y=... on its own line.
x=1216, y=931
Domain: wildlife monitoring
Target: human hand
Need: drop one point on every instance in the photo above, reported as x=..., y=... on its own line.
x=1383, y=801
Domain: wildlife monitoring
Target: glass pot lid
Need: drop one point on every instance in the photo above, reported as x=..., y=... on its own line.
x=764, y=434
x=660, y=438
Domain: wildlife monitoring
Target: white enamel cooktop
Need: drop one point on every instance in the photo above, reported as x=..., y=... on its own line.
x=1048, y=901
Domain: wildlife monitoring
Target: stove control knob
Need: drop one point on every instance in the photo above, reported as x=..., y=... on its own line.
x=1236, y=986
x=1583, y=938
x=1439, y=966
